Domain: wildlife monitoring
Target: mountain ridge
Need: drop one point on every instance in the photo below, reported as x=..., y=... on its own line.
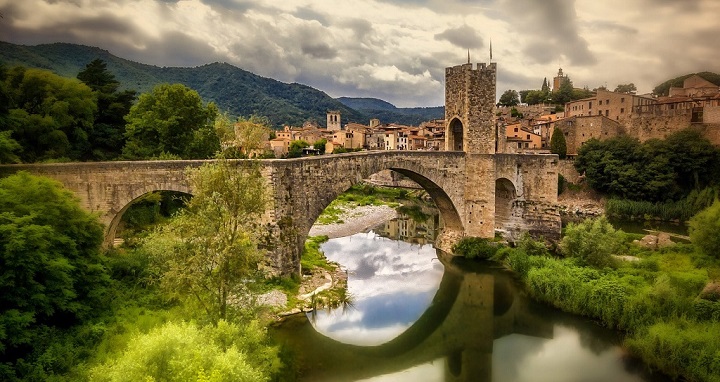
x=233, y=89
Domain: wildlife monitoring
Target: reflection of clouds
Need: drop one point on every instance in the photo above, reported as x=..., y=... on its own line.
x=392, y=283
x=431, y=371
x=563, y=358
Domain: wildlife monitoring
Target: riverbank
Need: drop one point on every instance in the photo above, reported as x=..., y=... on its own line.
x=354, y=220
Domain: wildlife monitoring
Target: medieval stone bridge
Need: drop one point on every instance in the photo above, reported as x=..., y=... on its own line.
x=476, y=194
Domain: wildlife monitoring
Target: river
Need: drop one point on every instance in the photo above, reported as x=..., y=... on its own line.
x=418, y=314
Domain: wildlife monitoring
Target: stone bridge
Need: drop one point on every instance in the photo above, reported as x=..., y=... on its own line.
x=476, y=194
x=470, y=310
x=478, y=189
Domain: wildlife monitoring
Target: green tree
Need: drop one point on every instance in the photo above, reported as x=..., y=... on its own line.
x=626, y=88
x=295, y=149
x=545, y=87
x=593, y=241
x=171, y=119
x=705, y=230
x=320, y=145
x=51, y=269
x=51, y=117
x=107, y=136
x=509, y=98
x=207, y=253
x=8, y=148
x=564, y=94
x=557, y=143
x=186, y=352
x=247, y=136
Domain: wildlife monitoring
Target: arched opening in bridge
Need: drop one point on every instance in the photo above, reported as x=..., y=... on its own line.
x=505, y=193
x=455, y=135
x=144, y=212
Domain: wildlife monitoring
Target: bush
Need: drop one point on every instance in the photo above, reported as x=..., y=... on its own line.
x=593, y=241
x=184, y=351
x=705, y=230
x=475, y=247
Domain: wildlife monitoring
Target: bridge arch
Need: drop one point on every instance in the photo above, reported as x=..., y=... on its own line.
x=113, y=217
x=505, y=193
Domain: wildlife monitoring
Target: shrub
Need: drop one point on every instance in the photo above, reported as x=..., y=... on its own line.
x=593, y=241
x=705, y=230
x=475, y=247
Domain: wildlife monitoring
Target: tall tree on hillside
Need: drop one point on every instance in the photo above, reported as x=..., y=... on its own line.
x=51, y=116
x=107, y=137
x=545, y=87
x=8, y=146
x=558, y=145
x=171, y=120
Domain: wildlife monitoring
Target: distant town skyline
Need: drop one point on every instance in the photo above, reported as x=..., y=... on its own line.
x=395, y=50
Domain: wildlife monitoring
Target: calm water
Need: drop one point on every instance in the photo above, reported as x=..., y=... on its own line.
x=419, y=315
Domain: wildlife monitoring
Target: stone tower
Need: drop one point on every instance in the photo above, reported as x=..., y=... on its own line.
x=470, y=127
x=558, y=80
x=333, y=120
x=469, y=105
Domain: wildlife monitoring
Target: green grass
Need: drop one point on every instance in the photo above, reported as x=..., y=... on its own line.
x=312, y=256
x=655, y=300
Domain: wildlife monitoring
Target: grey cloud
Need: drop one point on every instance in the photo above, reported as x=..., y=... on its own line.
x=360, y=27
x=318, y=50
x=463, y=36
x=309, y=14
x=553, y=26
x=605, y=25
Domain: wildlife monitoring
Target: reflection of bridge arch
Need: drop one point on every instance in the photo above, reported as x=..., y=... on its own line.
x=459, y=326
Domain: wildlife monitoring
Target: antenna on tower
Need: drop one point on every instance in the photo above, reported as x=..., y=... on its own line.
x=468, y=56
x=490, y=50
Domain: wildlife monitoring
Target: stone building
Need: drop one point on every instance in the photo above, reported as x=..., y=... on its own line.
x=333, y=120
x=613, y=105
x=580, y=129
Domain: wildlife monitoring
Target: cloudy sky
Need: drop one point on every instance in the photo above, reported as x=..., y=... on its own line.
x=391, y=49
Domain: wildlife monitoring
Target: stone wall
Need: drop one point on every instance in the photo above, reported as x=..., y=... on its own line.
x=579, y=130
x=566, y=168
x=470, y=98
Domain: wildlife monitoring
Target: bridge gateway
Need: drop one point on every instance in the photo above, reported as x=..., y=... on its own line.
x=476, y=189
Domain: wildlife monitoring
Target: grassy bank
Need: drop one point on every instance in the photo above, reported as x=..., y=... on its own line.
x=658, y=299
x=680, y=210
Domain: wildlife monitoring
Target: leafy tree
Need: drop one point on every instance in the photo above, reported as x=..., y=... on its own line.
x=186, y=352
x=251, y=135
x=515, y=113
x=320, y=145
x=8, y=148
x=564, y=94
x=509, y=98
x=51, y=117
x=705, y=230
x=295, y=149
x=171, y=119
x=534, y=97
x=207, y=254
x=626, y=88
x=593, y=241
x=557, y=143
x=107, y=137
x=51, y=270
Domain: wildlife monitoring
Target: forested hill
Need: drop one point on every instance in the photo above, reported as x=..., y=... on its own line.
x=664, y=88
x=388, y=113
x=233, y=89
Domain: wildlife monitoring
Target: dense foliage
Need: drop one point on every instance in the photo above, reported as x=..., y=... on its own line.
x=509, y=98
x=50, y=117
x=52, y=274
x=593, y=242
x=171, y=119
x=475, y=248
x=107, y=136
x=656, y=170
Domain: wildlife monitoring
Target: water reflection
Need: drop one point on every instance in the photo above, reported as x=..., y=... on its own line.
x=420, y=315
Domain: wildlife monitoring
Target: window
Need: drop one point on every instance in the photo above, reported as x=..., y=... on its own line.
x=590, y=105
x=622, y=110
x=516, y=130
x=622, y=99
x=607, y=113
x=607, y=102
x=600, y=102
x=528, y=136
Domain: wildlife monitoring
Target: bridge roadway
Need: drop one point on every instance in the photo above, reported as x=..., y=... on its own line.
x=469, y=311
x=462, y=185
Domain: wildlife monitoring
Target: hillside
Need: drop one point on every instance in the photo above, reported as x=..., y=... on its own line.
x=388, y=113
x=664, y=88
x=233, y=89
